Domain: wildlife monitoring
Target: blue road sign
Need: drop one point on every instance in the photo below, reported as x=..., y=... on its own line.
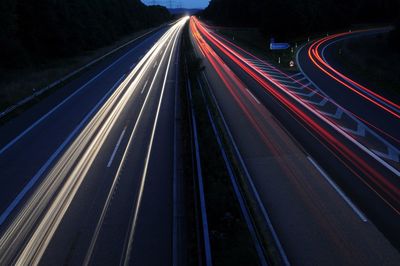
x=278, y=46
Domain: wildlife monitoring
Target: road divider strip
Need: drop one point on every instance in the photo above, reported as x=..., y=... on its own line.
x=229, y=167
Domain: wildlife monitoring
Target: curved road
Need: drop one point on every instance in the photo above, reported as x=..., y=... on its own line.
x=293, y=154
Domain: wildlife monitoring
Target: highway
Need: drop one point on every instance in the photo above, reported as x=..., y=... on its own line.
x=370, y=105
x=87, y=173
x=331, y=198
x=374, y=113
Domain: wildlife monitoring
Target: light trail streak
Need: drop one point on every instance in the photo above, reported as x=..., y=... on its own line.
x=30, y=232
x=127, y=257
x=303, y=86
x=387, y=191
x=99, y=225
x=237, y=89
x=239, y=59
x=320, y=62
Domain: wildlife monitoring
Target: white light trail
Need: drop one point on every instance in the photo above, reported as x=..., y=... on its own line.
x=29, y=234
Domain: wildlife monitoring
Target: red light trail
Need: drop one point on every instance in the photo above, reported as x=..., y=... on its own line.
x=320, y=62
x=377, y=182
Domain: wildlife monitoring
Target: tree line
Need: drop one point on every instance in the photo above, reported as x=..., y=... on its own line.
x=293, y=18
x=34, y=32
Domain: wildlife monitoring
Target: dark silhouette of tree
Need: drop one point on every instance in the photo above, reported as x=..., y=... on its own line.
x=289, y=18
x=34, y=32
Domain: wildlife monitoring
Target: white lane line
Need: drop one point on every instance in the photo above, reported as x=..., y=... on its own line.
x=254, y=97
x=338, y=190
x=297, y=74
x=330, y=43
x=176, y=187
x=36, y=177
x=276, y=75
x=106, y=205
x=126, y=260
x=269, y=71
x=264, y=212
x=305, y=104
x=26, y=131
x=116, y=148
x=144, y=87
x=234, y=183
x=300, y=80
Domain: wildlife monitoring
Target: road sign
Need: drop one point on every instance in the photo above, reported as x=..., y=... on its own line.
x=278, y=46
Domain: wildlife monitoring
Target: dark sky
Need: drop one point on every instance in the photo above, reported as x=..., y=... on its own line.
x=179, y=3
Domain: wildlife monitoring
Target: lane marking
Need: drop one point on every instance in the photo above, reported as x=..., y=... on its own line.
x=26, y=131
x=36, y=177
x=343, y=132
x=173, y=41
x=295, y=75
x=155, y=64
x=166, y=38
x=349, y=81
x=254, y=97
x=71, y=74
x=39, y=241
x=116, y=148
x=338, y=190
x=273, y=75
x=239, y=197
x=144, y=87
x=265, y=214
x=299, y=81
x=176, y=186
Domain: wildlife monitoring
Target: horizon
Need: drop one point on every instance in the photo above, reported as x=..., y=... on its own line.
x=186, y=4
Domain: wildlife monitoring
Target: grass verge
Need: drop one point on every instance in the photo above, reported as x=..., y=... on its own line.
x=265, y=235
x=191, y=220
x=14, y=88
x=231, y=243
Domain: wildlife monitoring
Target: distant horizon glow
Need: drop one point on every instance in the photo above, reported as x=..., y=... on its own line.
x=200, y=4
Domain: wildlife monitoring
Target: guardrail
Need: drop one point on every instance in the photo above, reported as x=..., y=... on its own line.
x=233, y=178
x=203, y=211
x=253, y=193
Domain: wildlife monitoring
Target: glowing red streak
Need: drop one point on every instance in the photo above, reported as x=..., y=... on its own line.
x=389, y=189
x=313, y=53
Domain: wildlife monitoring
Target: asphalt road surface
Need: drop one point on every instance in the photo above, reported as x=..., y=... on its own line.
x=312, y=192
x=87, y=173
x=371, y=105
